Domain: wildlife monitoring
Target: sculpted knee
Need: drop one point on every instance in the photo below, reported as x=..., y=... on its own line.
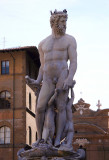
x=40, y=109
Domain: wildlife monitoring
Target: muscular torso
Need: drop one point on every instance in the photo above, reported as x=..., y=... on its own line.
x=55, y=55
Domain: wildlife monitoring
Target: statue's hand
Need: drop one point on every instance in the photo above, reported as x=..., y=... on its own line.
x=28, y=79
x=35, y=83
x=32, y=81
x=67, y=84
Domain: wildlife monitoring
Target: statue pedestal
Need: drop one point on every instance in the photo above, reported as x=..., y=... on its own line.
x=55, y=158
x=48, y=152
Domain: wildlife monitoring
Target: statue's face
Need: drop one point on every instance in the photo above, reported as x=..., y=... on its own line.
x=61, y=26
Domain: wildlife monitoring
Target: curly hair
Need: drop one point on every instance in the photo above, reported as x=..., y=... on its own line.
x=54, y=19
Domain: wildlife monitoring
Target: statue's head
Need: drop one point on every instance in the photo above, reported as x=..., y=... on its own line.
x=58, y=21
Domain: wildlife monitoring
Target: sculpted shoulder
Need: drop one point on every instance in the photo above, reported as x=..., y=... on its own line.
x=44, y=41
x=71, y=40
x=46, y=45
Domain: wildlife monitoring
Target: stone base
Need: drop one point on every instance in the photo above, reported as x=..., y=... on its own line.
x=48, y=152
x=49, y=158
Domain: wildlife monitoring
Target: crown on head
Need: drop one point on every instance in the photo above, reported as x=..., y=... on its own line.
x=58, y=12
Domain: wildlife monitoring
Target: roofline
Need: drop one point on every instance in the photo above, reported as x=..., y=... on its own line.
x=90, y=125
x=31, y=50
x=99, y=112
x=18, y=48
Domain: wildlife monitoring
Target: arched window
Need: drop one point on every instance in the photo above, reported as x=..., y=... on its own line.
x=5, y=134
x=4, y=99
x=29, y=100
x=29, y=135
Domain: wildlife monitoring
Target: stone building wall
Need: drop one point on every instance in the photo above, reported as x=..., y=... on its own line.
x=30, y=120
x=91, y=131
x=16, y=85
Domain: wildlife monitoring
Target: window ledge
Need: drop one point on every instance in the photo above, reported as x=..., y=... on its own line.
x=5, y=145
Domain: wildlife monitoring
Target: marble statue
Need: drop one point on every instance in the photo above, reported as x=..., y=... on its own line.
x=54, y=107
x=55, y=51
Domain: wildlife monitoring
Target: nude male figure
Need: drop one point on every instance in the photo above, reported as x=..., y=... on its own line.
x=55, y=51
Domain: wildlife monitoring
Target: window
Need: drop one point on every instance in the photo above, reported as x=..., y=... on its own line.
x=4, y=99
x=5, y=67
x=29, y=100
x=5, y=135
x=36, y=136
x=76, y=131
x=29, y=135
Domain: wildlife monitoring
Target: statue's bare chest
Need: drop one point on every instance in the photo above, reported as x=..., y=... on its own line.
x=54, y=45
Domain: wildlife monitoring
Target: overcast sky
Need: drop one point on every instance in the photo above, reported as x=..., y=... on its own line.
x=26, y=23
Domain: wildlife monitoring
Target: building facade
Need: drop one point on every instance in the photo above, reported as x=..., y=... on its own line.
x=17, y=100
x=91, y=131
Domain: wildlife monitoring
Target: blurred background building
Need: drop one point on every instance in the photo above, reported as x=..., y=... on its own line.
x=91, y=130
x=17, y=100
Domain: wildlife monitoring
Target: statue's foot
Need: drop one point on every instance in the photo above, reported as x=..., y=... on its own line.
x=57, y=143
x=49, y=141
x=36, y=143
x=65, y=147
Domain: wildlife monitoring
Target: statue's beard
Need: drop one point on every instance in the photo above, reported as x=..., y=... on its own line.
x=60, y=30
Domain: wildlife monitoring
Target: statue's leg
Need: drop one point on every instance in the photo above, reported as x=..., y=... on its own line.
x=45, y=133
x=70, y=131
x=61, y=102
x=61, y=115
x=45, y=94
x=67, y=145
x=49, y=125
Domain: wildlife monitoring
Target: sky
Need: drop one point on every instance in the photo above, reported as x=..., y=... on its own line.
x=26, y=23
